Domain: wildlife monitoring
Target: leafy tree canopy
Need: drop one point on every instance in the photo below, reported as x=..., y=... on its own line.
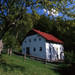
x=62, y=29
x=15, y=20
x=12, y=11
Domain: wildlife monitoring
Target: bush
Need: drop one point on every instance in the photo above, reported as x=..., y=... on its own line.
x=69, y=57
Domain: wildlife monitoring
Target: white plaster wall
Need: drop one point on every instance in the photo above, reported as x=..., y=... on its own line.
x=45, y=53
x=56, y=49
x=35, y=44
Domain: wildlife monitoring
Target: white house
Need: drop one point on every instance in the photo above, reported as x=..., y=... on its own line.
x=43, y=45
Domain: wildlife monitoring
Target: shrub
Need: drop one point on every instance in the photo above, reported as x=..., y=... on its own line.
x=69, y=57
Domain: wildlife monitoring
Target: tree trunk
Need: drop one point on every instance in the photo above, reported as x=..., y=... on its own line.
x=10, y=51
x=0, y=51
x=24, y=57
x=1, y=45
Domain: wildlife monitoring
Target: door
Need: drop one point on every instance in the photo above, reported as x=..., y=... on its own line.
x=50, y=57
x=27, y=50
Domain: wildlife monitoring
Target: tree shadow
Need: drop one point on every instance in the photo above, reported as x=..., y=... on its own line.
x=66, y=69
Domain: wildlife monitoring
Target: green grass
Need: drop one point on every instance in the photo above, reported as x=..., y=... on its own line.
x=14, y=65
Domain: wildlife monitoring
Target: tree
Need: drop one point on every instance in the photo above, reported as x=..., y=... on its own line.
x=12, y=12
x=15, y=35
x=9, y=40
x=69, y=57
x=62, y=29
x=44, y=24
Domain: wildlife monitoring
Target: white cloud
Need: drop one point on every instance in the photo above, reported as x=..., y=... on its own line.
x=53, y=12
x=44, y=10
x=48, y=12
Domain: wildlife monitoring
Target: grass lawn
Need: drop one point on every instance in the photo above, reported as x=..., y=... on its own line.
x=14, y=65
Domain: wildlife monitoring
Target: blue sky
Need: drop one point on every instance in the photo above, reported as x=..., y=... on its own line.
x=41, y=11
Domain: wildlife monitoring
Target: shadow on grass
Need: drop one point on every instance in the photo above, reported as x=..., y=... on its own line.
x=66, y=69
x=10, y=67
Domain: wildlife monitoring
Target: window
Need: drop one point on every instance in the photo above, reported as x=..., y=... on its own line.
x=34, y=49
x=34, y=39
x=53, y=51
x=40, y=48
x=29, y=40
x=50, y=49
x=23, y=49
x=57, y=56
x=25, y=41
x=50, y=57
x=39, y=39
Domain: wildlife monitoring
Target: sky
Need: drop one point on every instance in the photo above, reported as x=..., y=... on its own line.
x=41, y=12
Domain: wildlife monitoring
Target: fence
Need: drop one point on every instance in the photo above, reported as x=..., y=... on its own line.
x=30, y=56
x=38, y=59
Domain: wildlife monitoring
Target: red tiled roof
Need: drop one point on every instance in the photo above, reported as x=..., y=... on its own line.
x=48, y=36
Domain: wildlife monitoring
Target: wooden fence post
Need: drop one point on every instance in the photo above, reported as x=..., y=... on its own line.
x=8, y=51
x=24, y=57
x=45, y=63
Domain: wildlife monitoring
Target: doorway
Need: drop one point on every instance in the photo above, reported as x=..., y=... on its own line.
x=27, y=50
x=50, y=57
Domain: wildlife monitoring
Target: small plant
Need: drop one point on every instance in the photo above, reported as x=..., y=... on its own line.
x=69, y=57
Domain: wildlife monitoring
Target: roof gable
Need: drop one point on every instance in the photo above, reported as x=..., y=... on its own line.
x=48, y=36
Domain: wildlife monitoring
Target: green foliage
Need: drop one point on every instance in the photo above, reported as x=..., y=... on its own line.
x=66, y=69
x=19, y=23
x=9, y=40
x=62, y=29
x=15, y=35
x=69, y=57
x=24, y=26
x=44, y=24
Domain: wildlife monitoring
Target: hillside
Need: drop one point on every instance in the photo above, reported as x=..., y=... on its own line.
x=14, y=65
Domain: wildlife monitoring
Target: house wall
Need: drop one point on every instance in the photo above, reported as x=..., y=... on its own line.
x=54, y=51
x=50, y=51
x=35, y=44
